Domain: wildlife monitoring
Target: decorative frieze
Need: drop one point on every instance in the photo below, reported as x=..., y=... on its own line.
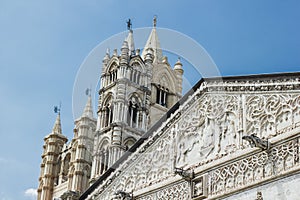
x=179, y=191
x=254, y=169
x=268, y=114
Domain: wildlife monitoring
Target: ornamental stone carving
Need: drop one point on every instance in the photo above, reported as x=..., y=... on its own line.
x=180, y=191
x=209, y=126
x=268, y=115
x=255, y=168
x=208, y=129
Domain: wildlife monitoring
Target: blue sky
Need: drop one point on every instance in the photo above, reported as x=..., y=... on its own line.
x=43, y=43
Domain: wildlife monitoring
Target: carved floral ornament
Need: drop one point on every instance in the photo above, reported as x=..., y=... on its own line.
x=209, y=126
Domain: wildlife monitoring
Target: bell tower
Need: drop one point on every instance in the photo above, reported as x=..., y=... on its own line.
x=136, y=90
x=124, y=103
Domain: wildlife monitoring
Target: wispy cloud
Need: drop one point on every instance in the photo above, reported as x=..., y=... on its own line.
x=31, y=193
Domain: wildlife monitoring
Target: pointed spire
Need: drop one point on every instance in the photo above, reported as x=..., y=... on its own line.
x=88, y=110
x=107, y=55
x=115, y=52
x=57, y=125
x=130, y=42
x=153, y=42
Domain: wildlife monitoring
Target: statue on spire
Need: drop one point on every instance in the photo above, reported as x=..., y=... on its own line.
x=154, y=21
x=129, y=24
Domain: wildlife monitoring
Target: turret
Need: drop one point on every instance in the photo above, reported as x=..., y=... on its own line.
x=130, y=42
x=124, y=53
x=53, y=144
x=82, y=149
x=179, y=73
x=148, y=59
x=104, y=65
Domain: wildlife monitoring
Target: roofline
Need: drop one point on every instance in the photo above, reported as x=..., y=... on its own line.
x=167, y=115
x=255, y=76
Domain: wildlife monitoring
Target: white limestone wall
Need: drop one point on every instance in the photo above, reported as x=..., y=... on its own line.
x=284, y=189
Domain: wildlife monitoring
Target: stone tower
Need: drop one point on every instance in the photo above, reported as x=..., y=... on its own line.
x=136, y=90
x=53, y=144
x=81, y=149
x=66, y=168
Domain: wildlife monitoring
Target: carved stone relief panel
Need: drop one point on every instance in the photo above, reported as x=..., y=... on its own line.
x=270, y=114
x=151, y=166
x=255, y=168
x=208, y=129
x=179, y=191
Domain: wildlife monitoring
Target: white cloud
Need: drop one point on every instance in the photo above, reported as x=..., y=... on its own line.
x=31, y=192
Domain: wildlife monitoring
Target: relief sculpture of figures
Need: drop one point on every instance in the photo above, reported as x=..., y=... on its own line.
x=208, y=130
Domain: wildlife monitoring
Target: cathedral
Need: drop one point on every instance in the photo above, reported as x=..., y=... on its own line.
x=227, y=138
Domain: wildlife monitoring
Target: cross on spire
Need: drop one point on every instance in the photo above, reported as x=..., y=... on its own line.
x=154, y=21
x=129, y=24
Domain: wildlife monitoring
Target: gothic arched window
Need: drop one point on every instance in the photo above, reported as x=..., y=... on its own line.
x=107, y=112
x=162, y=95
x=65, y=167
x=135, y=73
x=102, y=162
x=133, y=112
x=58, y=167
x=112, y=74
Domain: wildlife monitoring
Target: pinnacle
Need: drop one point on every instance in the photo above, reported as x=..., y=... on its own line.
x=130, y=42
x=88, y=110
x=57, y=125
x=153, y=42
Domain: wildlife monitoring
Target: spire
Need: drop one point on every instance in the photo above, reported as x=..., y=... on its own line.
x=57, y=125
x=153, y=42
x=88, y=110
x=130, y=42
x=129, y=38
x=107, y=55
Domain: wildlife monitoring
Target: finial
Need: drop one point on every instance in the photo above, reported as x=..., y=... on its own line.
x=57, y=108
x=88, y=109
x=115, y=52
x=129, y=24
x=154, y=21
x=88, y=92
x=57, y=125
